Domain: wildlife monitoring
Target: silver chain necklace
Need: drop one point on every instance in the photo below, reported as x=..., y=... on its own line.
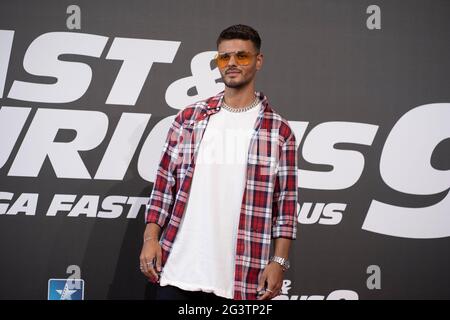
x=243, y=109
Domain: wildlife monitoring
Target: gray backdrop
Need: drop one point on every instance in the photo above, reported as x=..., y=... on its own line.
x=365, y=88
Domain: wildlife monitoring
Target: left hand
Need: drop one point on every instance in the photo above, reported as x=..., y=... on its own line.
x=273, y=275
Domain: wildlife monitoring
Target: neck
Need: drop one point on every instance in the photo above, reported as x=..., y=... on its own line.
x=239, y=97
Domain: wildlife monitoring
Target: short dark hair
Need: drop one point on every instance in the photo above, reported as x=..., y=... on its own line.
x=240, y=31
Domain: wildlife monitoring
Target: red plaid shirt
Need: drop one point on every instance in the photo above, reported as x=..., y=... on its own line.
x=269, y=201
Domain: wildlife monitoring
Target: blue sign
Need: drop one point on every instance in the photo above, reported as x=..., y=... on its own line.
x=65, y=289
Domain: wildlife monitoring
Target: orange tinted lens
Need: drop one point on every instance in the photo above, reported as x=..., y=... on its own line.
x=222, y=60
x=243, y=58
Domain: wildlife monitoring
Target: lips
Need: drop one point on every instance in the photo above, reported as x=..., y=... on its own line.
x=232, y=72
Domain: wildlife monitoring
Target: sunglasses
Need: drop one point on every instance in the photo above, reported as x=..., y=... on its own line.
x=242, y=58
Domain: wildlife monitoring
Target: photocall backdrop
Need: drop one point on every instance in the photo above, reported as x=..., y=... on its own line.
x=89, y=88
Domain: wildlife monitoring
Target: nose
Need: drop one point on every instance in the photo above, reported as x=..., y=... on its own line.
x=232, y=61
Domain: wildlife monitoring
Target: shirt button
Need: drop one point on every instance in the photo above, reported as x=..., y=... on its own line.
x=218, y=108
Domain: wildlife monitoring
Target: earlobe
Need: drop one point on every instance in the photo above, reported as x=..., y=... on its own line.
x=259, y=62
x=258, y=65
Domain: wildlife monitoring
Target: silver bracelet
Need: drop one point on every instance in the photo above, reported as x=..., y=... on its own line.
x=150, y=238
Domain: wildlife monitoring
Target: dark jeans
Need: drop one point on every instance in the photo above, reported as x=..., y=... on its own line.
x=175, y=293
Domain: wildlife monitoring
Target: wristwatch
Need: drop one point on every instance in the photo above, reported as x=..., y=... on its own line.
x=281, y=261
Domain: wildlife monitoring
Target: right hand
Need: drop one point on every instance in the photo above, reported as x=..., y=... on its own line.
x=150, y=259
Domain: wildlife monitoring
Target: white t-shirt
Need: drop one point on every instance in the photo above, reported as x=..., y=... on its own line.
x=203, y=253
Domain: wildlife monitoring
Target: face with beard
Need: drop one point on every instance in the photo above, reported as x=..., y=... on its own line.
x=234, y=75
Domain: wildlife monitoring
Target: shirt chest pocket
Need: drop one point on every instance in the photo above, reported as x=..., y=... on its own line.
x=189, y=140
x=262, y=167
x=264, y=149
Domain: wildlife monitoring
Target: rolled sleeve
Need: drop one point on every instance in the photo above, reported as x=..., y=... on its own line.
x=163, y=192
x=284, y=207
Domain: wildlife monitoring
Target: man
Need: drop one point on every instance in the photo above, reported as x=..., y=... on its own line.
x=225, y=187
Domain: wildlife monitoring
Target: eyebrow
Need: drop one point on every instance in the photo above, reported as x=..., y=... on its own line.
x=228, y=52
